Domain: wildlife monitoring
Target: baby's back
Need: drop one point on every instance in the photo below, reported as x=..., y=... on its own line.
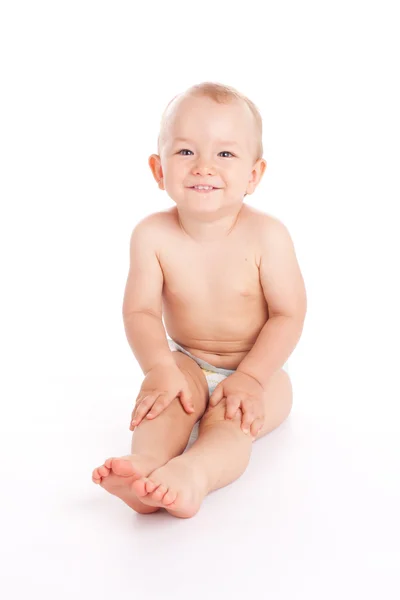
x=213, y=302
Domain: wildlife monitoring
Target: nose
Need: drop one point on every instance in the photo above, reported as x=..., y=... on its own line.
x=203, y=167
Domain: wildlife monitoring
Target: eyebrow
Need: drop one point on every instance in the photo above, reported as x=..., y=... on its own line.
x=224, y=143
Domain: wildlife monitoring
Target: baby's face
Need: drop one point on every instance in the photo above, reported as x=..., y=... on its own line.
x=204, y=142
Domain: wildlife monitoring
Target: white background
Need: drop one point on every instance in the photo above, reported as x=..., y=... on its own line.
x=83, y=86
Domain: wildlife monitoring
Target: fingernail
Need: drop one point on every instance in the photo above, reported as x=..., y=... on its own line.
x=245, y=431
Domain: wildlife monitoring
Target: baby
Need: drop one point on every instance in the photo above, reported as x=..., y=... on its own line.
x=226, y=280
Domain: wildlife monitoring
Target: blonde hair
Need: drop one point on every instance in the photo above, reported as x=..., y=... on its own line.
x=223, y=94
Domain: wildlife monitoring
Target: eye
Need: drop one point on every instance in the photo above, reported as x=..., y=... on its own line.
x=186, y=150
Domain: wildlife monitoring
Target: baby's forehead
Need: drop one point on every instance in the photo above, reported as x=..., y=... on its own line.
x=227, y=140
x=199, y=119
x=190, y=107
x=211, y=123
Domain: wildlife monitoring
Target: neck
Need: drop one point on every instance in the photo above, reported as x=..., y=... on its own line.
x=208, y=228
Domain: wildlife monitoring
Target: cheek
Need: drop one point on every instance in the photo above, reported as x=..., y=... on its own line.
x=173, y=174
x=180, y=171
x=235, y=173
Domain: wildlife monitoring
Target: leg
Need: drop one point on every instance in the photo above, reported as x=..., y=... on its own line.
x=155, y=441
x=167, y=435
x=218, y=457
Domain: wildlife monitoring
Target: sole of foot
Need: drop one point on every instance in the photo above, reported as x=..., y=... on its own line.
x=176, y=487
x=117, y=476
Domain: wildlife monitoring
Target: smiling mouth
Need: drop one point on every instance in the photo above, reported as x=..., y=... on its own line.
x=204, y=190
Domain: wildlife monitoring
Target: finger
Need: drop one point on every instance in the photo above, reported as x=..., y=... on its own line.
x=159, y=405
x=133, y=417
x=138, y=402
x=134, y=409
x=232, y=404
x=216, y=396
x=248, y=418
x=134, y=412
x=186, y=401
x=143, y=409
x=256, y=427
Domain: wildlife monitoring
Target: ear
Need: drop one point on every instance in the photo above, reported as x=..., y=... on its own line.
x=156, y=169
x=256, y=175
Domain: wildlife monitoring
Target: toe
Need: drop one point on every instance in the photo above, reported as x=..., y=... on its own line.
x=95, y=476
x=123, y=467
x=140, y=487
x=169, y=497
x=151, y=486
x=104, y=471
x=159, y=493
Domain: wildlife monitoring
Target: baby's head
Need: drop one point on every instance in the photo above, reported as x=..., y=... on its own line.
x=212, y=135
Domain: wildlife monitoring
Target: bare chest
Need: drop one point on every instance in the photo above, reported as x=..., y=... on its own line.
x=211, y=278
x=213, y=302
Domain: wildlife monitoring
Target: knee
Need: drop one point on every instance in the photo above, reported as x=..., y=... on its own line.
x=214, y=414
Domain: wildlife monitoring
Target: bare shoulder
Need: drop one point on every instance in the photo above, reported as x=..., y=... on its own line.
x=280, y=273
x=266, y=228
x=275, y=243
x=259, y=219
x=156, y=222
x=157, y=227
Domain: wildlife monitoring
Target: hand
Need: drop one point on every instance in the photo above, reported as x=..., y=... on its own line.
x=160, y=387
x=245, y=392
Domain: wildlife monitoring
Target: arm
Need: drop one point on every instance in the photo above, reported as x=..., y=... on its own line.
x=285, y=294
x=275, y=343
x=142, y=305
x=146, y=336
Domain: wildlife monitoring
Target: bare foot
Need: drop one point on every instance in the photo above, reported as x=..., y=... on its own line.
x=176, y=486
x=117, y=475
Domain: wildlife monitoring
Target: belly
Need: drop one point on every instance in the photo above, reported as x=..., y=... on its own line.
x=220, y=331
x=213, y=301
